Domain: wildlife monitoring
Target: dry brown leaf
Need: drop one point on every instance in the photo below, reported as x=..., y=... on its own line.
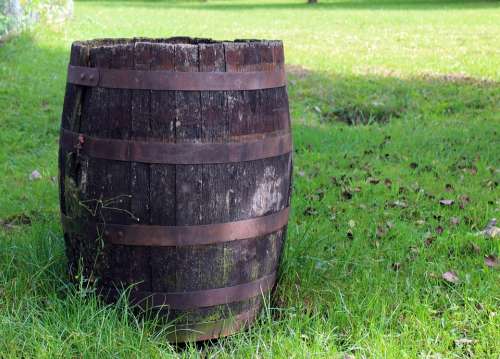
x=463, y=199
x=381, y=231
x=464, y=341
x=491, y=230
x=35, y=175
x=451, y=277
x=491, y=261
x=446, y=202
x=346, y=194
x=400, y=204
x=429, y=238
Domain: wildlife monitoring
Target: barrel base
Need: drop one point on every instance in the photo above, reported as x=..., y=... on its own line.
x=212, y=330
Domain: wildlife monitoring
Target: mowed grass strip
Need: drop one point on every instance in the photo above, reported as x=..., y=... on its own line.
x=395, y=108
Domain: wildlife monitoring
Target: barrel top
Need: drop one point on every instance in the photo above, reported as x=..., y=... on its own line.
x=177, y=40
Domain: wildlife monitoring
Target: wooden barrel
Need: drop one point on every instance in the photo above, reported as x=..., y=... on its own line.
x=175, y=165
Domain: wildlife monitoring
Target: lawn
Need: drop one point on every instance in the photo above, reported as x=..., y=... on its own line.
x=395, y=106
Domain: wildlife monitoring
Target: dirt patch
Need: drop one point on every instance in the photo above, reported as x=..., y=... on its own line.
x=459, y=78
x=298, y=71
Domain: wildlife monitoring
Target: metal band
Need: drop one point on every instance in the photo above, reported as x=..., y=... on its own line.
x=212, y=330
x=199, y=298
x=171, y=80
x=179, y=236
x=176, y=153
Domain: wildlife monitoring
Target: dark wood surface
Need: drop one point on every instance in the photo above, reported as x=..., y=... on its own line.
x=131, y=192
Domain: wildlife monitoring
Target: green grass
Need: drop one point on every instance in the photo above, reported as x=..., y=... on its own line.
x=421, y=81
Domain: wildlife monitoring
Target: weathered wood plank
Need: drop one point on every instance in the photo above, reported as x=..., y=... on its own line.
x=191, y=271
x=162, y=180
x=69, y=164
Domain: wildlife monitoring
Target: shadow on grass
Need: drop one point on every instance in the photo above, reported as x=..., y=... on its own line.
x=380, y=96
x=321, y=5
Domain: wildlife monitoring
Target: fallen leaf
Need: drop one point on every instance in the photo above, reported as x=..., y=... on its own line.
x=455, y=221
x=491, y=230
x=446, y=202
x=491, y=261
x=372, y=180
x=429, y=238
x=464, y=341
x=346, y=194
x=463, y=199
x=381, y=232
x=472, y=170
x=400, y=204
x=35, y=175
x=451, y=277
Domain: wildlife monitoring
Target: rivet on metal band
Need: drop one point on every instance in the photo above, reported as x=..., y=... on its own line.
x=200, y=298
x=177, y=81
x=176, y=153
x=179, y=236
